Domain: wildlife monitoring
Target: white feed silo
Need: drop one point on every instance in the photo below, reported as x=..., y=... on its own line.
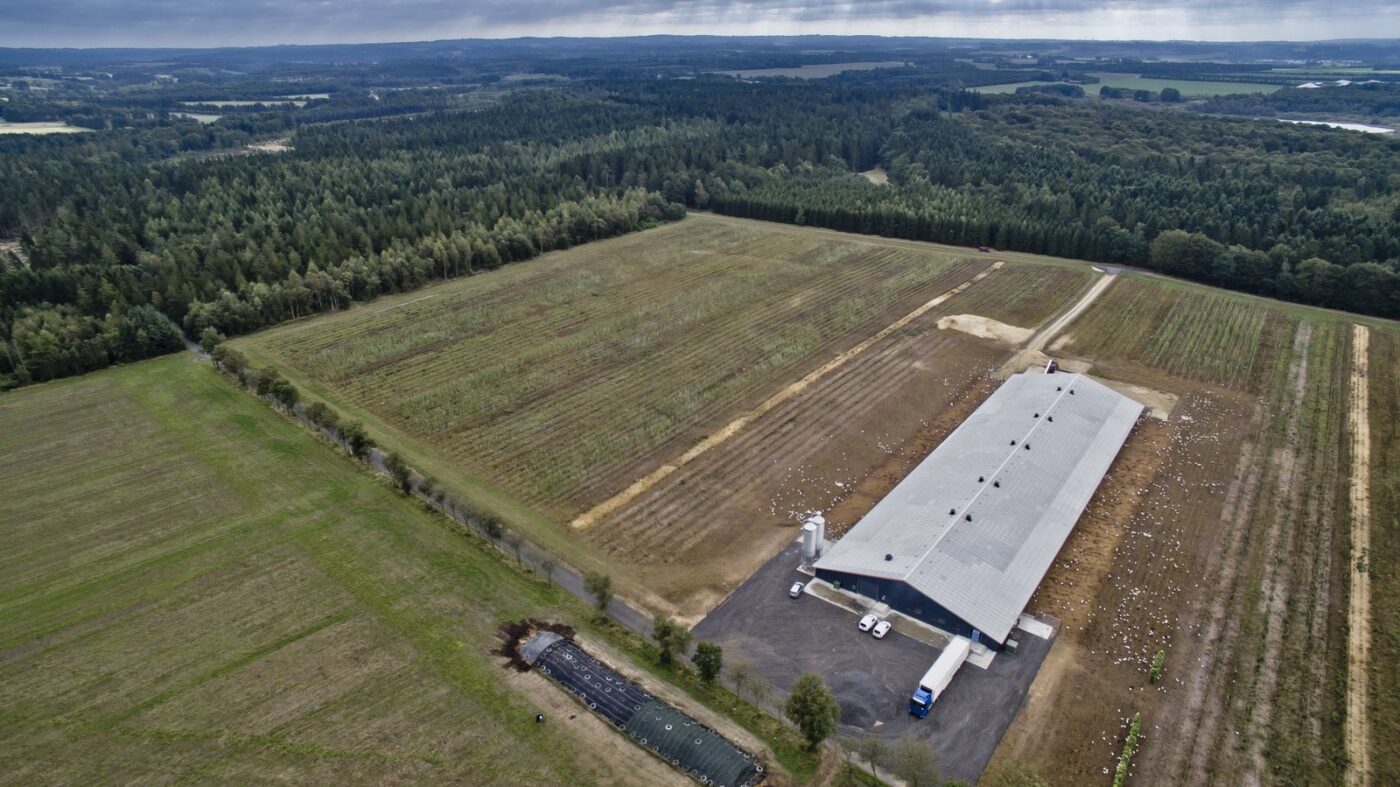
x=809, y=542
x=819, y=522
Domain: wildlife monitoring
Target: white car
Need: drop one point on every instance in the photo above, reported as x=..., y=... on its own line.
x=795, y=591
x=866, y=622
x=881, y=629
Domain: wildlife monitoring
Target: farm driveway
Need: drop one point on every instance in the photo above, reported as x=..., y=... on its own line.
x=1031, y=353
x=871, y=678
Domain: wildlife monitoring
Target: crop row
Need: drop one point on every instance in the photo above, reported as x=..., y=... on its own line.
x=1022, y=295
x=556, y=388
x=1196, y=335
x=1260, y=593
x=781, y=448
x=638, y=408
x=1384, y=367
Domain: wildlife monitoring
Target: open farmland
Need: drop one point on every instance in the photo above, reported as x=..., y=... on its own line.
x=1195, y=333
x=565, y=380
x=813, y=70
x=194, y=590
x=554, y=378
x=837, y=447
x=1220, y=537
x=1190, y=88
x=39, y=127
x=1383, y=562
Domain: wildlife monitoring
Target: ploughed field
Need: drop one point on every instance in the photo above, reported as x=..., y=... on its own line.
x=195, y=590
x=1221, y=537
x=565, y=380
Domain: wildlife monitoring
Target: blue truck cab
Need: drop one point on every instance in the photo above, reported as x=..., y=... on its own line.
x=920, y=703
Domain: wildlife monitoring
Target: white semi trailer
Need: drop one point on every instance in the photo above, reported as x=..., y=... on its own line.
x=932, y=684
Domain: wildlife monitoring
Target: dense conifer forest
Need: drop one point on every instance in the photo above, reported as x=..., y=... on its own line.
x=119, y=241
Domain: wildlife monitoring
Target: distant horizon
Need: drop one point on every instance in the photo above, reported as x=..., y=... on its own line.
x=222, y=24
x=624, y=37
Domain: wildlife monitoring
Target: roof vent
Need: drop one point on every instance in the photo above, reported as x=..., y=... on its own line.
x=996, y=484
x=952, y=512
x=1071, y=392
x=1037, y=415
x=1050, y=418
x=981, y=479
x=1013, y=442
x=1028, y=446
x=969, y=517
x=888, y=556
x=1059, y=388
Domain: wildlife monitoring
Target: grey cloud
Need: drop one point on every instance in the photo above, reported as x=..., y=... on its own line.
x=238, y=22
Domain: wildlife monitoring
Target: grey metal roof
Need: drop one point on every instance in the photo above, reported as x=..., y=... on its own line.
x=1066, y=431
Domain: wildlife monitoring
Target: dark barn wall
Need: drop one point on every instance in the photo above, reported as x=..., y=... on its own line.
x=904, y=599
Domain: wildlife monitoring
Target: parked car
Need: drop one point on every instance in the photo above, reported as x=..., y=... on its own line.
x=866, y=622
x=795, y=590
x=881, y=629
x=984, y=249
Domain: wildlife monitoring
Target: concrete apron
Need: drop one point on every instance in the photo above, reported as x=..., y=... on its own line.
x=981, y=655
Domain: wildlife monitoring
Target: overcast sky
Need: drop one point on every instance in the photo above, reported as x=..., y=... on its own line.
x=246, y=22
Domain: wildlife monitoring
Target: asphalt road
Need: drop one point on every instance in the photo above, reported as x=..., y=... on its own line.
x=872, y=679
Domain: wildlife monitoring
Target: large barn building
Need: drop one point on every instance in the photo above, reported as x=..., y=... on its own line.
x=964, y=540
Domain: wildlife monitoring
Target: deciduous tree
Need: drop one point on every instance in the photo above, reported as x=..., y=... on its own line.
x=813, y=709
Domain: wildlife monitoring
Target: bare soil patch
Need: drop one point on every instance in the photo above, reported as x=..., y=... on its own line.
x=878, y=176
x=12, y=247
x=1159, y=403
x=1127, y=573
x=1358, y=725
x=1083, y=565
x=272, y=146
x=985, y=328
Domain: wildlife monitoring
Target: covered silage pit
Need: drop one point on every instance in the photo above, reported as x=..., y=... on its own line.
x=682, y=741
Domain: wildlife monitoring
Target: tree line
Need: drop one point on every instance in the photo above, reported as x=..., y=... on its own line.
x=124, y=219
x=1299, y=214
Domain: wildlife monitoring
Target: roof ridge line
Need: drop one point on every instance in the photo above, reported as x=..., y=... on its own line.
x=924, y=556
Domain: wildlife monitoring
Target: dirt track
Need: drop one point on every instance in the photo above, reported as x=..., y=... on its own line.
x=1358, y=721
x=1038, y=341
x=1031, y=353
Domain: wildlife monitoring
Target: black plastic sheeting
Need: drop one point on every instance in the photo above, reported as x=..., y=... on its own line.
x=604, y=692
x=691, y=746
x=680, y=740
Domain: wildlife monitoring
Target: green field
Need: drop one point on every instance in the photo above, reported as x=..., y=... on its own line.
x=1189, y=88
x=558, y=379
x=195, y=590
x=813, y=71
x=1341, y=70
x=1194, y=333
